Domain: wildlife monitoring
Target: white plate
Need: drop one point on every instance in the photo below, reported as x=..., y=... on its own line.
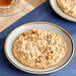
x=56, y=8
x=38, y=25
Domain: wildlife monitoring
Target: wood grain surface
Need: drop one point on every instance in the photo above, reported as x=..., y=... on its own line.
x=7, y=21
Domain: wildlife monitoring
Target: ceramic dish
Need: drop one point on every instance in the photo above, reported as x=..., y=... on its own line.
x=56, y=8
x=38, y=25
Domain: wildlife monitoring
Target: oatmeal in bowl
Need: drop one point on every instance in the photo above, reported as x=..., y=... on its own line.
x=68, y=7
x=39, y=49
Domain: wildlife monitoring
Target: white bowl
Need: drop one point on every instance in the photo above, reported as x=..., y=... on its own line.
x=56, y=8
x=38, y=25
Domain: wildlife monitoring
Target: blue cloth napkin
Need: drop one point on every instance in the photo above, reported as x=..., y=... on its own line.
x=42, y=13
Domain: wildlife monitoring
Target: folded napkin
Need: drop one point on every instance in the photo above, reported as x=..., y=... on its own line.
x=42, y=13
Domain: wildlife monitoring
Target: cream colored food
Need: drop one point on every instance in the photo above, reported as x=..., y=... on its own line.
x=39, y=48
x=68, y=6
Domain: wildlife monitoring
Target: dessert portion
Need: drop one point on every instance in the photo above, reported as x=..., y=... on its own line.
x=39, y=49
x=68, y=6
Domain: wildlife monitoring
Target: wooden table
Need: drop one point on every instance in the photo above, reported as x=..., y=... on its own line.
x=7, y=21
